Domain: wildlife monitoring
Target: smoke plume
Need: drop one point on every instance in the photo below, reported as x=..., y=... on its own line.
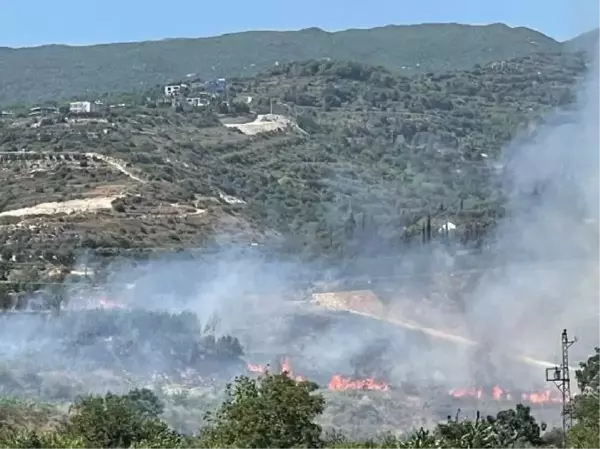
x=552, y=226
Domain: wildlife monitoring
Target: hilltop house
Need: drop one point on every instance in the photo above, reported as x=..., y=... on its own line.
x=84, y=107
x=197, y=101
x=173, y=90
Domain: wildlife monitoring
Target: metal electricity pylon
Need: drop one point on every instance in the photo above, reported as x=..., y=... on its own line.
x=561, y=377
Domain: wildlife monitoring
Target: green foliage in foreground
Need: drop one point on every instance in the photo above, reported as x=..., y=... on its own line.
x=274, y=411
x=277, y=411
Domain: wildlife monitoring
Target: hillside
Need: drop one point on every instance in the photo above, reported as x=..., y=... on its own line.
x=584, y=42
x=59, y=71
x=362, y=157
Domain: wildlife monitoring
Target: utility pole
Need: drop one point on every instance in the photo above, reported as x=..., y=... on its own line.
x=561, y=377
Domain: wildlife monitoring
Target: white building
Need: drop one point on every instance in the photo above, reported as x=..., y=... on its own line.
x=196, y=101
x=42, y=110
x=83, y=107
x=173, y=90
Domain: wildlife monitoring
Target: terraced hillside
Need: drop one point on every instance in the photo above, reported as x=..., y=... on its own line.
x=60, y=198
x=368, y=155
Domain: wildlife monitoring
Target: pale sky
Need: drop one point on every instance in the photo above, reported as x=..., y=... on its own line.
x=37, y=22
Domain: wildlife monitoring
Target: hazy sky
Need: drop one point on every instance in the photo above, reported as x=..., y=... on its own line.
x=37, y=22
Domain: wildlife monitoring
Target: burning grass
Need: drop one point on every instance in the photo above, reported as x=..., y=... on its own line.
x=338, y=382
x=497, y=393
x=111, y=348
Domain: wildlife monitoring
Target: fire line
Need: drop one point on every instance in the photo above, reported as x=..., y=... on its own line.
x=337, y=382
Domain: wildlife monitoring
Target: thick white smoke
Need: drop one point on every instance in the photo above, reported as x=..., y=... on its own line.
x=553, y=194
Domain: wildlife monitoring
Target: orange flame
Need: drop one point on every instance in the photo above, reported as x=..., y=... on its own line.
x=337, y=382
x=466, y=393
x=257, y=368
x=286, y=367
x=110, y=304
x=541, y=397
x=499, y=394
x=340, y=383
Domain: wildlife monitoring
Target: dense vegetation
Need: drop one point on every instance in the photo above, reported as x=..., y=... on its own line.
x=277, y=411
x=381, y=153
x=56, y=71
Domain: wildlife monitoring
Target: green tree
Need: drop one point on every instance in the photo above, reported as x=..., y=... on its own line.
x=517, y=427
x=509, y=428
x=272, y=411
x=588, y=374
x=241, y=107
x=467, y=434
x=120, y=421
x=585, y=406
x=146, y=402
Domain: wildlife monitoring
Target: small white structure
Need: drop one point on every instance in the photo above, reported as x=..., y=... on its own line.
x=196, y=102
x=83, y=107
x=173, y=90
x=41, y=110
x=447, y=227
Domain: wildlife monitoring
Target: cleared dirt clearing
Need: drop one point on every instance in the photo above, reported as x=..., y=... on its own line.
x=63, y=207
x=265, y=123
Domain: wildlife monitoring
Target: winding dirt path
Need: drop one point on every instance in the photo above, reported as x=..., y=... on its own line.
x=113, y=162
x=117, y=165
x=75, y=205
